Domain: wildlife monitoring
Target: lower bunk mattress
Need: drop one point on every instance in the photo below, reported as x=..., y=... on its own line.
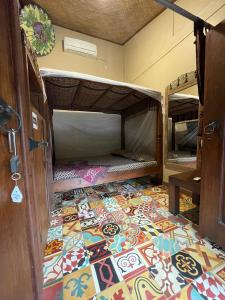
x=90, y=169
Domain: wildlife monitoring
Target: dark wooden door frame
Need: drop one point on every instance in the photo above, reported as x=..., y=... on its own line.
x=212, y=205
x=21, y=261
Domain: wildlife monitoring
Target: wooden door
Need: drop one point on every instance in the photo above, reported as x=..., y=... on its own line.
x=212, y=208
x=38, y=159
x=23, y=225
x=17, y=275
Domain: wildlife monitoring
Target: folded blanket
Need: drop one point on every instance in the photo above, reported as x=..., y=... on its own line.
x=80, y=170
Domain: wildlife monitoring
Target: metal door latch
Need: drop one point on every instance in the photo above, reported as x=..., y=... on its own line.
x=211, y=127
x=37, y=144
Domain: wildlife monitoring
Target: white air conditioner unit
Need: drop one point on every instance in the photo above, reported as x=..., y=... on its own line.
x=80, y=46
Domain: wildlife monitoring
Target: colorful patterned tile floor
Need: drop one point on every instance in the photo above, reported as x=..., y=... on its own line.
x=118, y=241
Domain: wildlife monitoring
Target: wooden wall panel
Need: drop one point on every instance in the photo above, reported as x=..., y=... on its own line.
x=16, y=276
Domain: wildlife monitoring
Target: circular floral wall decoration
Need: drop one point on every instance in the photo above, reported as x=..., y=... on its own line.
x=38, y=29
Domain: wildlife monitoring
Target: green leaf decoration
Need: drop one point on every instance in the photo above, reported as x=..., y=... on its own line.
x=38, y=29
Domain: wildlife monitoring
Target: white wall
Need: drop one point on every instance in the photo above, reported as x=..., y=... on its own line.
x=85, y=134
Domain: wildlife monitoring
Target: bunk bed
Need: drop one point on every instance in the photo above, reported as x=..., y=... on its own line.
x=73, y=91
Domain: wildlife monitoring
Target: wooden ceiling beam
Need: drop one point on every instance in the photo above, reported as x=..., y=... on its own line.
x=87, y=109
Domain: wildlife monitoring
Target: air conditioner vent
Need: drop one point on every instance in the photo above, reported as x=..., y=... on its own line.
x=80, y=46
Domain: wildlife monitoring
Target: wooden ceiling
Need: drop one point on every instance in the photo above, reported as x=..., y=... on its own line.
x=113, y=20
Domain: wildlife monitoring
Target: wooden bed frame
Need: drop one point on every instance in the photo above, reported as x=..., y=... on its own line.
x=156, y=170
x=125, y=101
x=69, y=184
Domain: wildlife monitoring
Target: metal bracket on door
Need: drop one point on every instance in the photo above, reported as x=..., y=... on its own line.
x=6, y=114
x=37, y=144
x=211, y=127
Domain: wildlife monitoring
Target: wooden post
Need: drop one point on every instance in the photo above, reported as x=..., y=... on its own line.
x=159, y=142
x=123, y=118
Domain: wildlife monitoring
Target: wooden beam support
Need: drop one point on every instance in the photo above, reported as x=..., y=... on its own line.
x=123, y=118
x=87, y=109
x=159, y=136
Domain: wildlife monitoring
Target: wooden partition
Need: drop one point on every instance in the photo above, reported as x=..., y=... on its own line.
x=212, y=204
x=23, y=227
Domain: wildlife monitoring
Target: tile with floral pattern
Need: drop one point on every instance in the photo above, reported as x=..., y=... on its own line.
x=135, y=236
x=165, y=225
x=209, y=287
x=75, y=259
x=72, y=242
x=166, y=245
x=135, y=201
x=121, y=200
x=68, y=196
x=105, y=274
x=118, y=291
x=52, y=268
x=52, y=247
x=89, y=223
x=187, y=266
x=219, y=273
x=98, y=251
x=92, y=236
x=150, y=254
x=111, y=204
x=56, y=212
x=140, y=220
x=55, y=233
x=186, y=236
x=70, y=218
x=188, y=293
x=186, y=203
x=220, y=253
x=56, y=221
x=69, y=210
x=204, y=256
x=144, y=287
x=169, y=280
x=95, y=204
x=79, y=285
x=117, y=243
x=129, y=263
x=131, y=210
x=126, y=226
x=70, y=229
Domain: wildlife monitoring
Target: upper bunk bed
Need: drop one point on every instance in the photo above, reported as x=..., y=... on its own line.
x=71, y=91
